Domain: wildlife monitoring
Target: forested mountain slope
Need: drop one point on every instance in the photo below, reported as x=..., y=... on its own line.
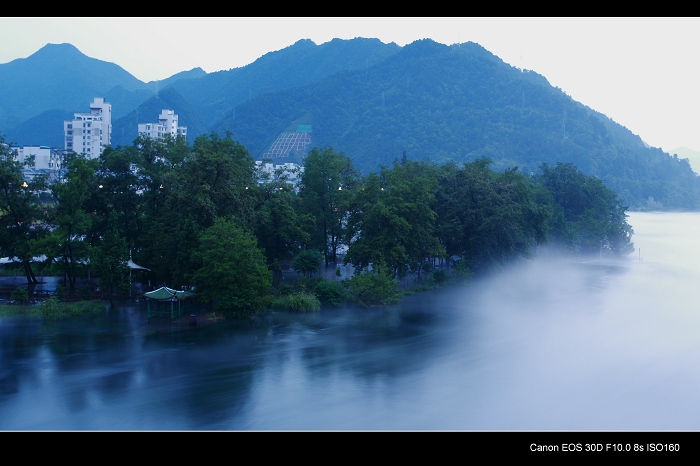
x=461, y=103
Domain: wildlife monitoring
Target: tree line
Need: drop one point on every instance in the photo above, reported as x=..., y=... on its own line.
x=202, y=216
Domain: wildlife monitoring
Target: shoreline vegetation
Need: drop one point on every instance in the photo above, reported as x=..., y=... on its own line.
x=202, y=218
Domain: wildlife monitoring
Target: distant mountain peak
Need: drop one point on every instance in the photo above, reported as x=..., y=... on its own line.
x=304, y=42
x=63, y=49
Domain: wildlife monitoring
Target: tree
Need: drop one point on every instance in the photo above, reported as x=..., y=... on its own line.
x=392, y=222
x=281, y=229
x=215, y=181
x=370, y=288
x=68, y=242
x=110, y=258
x=185, y=189
x=231, y=270
x=588, y=217
x=21, y=215
x=325, y=188
x=118, y=191
x=487, y=218
x=307, y=262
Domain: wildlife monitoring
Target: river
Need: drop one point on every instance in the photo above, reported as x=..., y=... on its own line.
x=545, y=344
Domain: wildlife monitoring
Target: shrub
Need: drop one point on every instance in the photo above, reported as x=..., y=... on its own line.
x=286, y=290
x=461, y=270
x=85, y=307
x=51, y=309
x=307, y=262
x=302, y=284
x=297, y=302
x=330, y=293
x=86, y=293
x=20, y=295
x=373, y=288
x=440, y=277
x=61, y=293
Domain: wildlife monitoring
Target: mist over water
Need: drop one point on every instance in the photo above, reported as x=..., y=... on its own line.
x=546, y=344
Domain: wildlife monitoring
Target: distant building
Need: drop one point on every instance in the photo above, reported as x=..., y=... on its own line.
x=167, y=124
x=45, y=158
x=46, y=161
x=291, y=143
x=289, y=172
x=89, y=133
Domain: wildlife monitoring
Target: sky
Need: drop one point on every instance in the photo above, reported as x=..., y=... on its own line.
x=641, y=72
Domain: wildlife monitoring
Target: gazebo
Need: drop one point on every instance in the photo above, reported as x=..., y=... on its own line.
x=134, y=266
x=165, y=294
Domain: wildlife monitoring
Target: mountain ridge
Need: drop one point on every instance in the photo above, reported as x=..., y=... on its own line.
x=375, y=101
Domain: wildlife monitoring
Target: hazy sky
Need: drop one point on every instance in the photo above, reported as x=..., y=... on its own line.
x=642, y=73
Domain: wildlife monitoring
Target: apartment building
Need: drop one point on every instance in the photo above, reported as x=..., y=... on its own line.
x=167, y=124
x=89, y=133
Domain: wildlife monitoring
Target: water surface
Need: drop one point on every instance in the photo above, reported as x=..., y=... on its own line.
x=547, y=344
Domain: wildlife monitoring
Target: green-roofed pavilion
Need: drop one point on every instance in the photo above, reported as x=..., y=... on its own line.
x=168, y=295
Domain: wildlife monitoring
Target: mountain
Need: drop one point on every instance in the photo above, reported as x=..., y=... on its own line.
x=456, y=104
x=182, y=75
x=299, y=64
x=51, y=134
x=371, y=100
x=58, y=76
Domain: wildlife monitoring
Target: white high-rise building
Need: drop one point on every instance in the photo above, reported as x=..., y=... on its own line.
x=90, y=133
x=167, y=124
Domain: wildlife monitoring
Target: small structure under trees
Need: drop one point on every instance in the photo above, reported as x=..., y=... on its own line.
x=167, y=295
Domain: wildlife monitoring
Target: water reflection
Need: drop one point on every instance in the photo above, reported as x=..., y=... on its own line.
x=545, y=344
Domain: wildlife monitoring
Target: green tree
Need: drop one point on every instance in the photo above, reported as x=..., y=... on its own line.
x=119, y=190
x=588, y=217
x=280, y=227
x=231, y=271
x=165, y=237
x=110, y=258
x=370, y=288
x=68, y=243
x=487, y=218
x=21, y=216
x=307, y=262
x=328, y=179
x=215, y=181
x=392, y=221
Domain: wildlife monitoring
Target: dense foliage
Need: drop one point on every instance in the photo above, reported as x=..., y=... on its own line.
x=198, y=217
